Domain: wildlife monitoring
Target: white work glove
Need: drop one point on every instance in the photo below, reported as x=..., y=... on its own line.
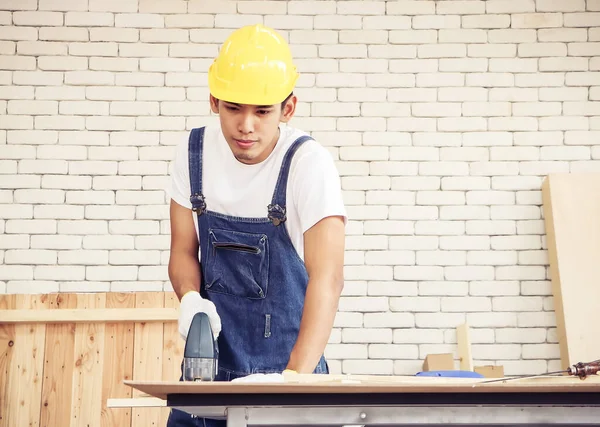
x=260, y=378
x=265, y=378
x=193, y=303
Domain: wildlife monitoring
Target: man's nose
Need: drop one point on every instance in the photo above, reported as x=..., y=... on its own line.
x=247, y=123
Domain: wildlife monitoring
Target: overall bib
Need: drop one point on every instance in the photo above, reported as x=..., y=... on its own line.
x=253, y=274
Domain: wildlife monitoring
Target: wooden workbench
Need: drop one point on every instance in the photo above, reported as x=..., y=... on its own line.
x=368, y=400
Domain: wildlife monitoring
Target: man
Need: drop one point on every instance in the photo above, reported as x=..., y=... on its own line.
x=257, y=220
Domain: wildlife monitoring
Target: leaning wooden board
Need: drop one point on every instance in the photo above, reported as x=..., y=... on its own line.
x=371, y=384
x=571, y=205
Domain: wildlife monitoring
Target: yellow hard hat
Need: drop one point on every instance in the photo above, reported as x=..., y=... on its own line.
x=254, y=66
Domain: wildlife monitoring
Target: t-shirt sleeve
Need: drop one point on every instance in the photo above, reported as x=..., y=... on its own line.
x=178, y=187
x=316, y=187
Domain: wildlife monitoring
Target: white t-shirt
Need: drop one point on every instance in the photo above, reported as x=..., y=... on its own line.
x=234, y=188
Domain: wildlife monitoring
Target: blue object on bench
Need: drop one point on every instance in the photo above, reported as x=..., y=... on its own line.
x=450, y=374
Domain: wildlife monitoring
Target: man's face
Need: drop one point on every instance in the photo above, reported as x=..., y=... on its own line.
x=251, y=131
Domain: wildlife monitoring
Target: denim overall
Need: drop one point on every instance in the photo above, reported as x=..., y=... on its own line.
x=254, y=276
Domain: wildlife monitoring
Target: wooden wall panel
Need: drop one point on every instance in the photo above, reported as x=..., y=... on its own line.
x=61, y=371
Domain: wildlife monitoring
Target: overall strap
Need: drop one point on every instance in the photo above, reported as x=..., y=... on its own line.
x=277, y=209
x=195, y=145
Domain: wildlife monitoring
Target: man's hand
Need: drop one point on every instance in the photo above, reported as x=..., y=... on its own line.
x=324, y=259
x=193, y=303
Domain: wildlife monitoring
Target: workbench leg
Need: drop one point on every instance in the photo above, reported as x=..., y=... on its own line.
x=236, y=417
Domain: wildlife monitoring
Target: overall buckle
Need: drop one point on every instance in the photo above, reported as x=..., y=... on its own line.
x=277, y=214
x=198, y=203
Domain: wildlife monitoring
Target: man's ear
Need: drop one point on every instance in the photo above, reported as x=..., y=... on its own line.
x=288, y=110
x=214, y=104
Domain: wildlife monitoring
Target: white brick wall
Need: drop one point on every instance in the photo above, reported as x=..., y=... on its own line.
x=443, y=118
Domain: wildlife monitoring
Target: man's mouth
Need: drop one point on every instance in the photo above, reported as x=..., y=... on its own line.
x=244, y=143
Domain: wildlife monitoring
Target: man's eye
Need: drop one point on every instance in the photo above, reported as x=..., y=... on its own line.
x=264, y=111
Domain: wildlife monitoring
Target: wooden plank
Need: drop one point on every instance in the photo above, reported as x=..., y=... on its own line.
x=118, y=350
x=24, y=385
x=140, y=402
x=86, y=316
x=147, y=355
x=160, y=389
x=59, y=362
x=464, y=347
x=7, y=341
x=571, y=206
x=86, y=402
x=172, y=351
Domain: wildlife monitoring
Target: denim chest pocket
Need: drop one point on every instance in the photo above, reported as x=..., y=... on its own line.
x=237, y=263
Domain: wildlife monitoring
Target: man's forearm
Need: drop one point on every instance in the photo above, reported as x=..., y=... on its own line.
x=184, y=273
x=320, y=308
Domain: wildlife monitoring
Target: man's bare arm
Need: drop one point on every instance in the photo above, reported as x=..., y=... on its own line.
x=184, y=267
x=324, y=245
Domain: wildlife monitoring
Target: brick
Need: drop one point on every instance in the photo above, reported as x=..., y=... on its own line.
x=486, y=21
x=8, y=48
x=583, y=108
x=548, y=49
x=392, y=51
x=513, y=94
x=464, y=212
x=435, y=22
x=465, y=183
x=457, y=7
x=92, y=168
x=511, y=65
x=162, y=6
x=63, y=34
x=490, y=79
x=19, y=5
x=463, y=124
x=440, y=79
x=562, y=35
x=490, y=228
x=32, y=107
x=189, y=21
x=537, y=20
x=93, y=49
x=448, y=50
x=563, y=123
x=462, y=36
x=584, y=19
x=17, y=211
x=116, y=64
x=89, y=19
x=566, y=153
x=411, y=36
x=462, y=94
x=63, y=5
x=543, y=168
x=512, y=36
x=37, y=78
x=85, y=108
x=440, y=228
x=553, y=6
x=492, y=258
x=539, y=79
x=486, y=109
x=16, y=272
x=411, y=124
x=411, y=66
x=379, y=23
x=500, y=50
x=449, y=154
x=139, y=20
x=207, y=6
x=581, y=137
x=521, y=273
x=513, y=124
x=235, y=21
x=61, y=152
x=521, y=242
x=16, y=122
x=109, y=123
x=19, y=33
x=37, y=19
x=594, y=34
x=413, y=212
x=538, y=109
x=465, y=304
x=515, y=183
x=441, y=258
x=582, y=79
x=105, y=93
x=510, y=6
x=37, y=196
x=14, y=62
x=164, y=64
x=128, y=35
x=57, y=63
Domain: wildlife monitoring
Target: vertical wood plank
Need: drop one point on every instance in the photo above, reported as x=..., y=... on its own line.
x=7, y=341
x=118, y=350
x=58, y=365
x=24, y=385
x=86, y=402
x=173, y=350
x=147, y=362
